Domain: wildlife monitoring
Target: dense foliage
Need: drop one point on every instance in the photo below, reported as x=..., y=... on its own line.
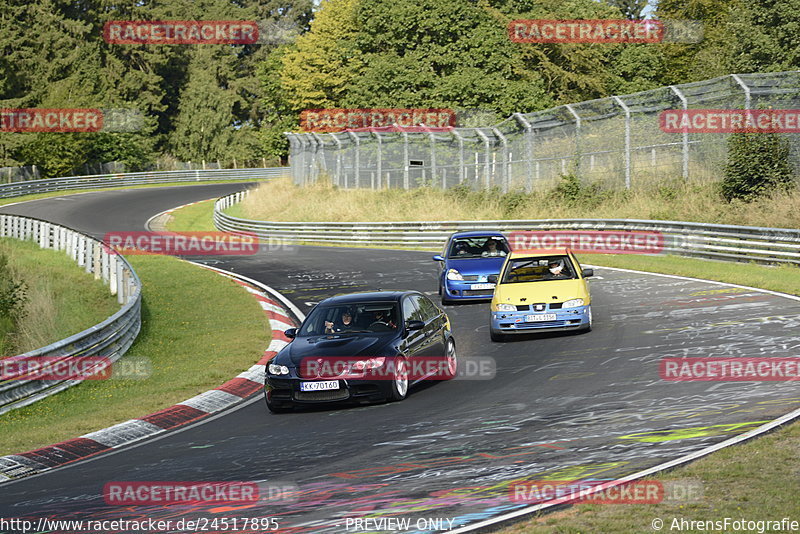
x=758, y=163
x=225, y=102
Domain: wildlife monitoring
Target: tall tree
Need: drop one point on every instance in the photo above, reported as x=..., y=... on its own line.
x=630, y=9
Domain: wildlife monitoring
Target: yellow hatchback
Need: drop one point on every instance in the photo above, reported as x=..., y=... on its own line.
x=540, y=291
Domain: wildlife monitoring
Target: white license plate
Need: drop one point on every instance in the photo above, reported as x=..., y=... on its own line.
x=540, y=317
x=319, y=386
x=481, y=286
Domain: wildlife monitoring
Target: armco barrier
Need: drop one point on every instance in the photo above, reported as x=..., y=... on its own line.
x=109, y=339
x=137, y=178
x=713, y=241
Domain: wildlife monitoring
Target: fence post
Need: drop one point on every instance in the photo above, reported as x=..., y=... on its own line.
x=577, y=139
x=379, y=157
x=745, y=88
x=357, y=164
x=506, y=175
x=337, y=179
x=529, y=147
x=433, y=154
x=487, y=157
x=405, y=161
x=685, y=136
x=627, y=111
x=461, y=168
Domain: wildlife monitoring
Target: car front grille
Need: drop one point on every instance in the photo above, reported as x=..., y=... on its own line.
x=471, y=277
x=528, y=307
x=332, y=395
x=477, y=292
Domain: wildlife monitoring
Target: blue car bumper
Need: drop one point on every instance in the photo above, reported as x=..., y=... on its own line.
x=456, y=290
x=518, y=322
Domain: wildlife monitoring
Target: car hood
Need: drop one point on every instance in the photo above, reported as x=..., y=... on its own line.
x=340, y=345
x=546, y=291
x=487, y=266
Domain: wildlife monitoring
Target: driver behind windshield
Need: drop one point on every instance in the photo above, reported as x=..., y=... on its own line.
x=384, y=318
x=491, y=248
x=342, y=325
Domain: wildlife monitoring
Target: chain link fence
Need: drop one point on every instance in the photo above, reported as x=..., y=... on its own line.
x=616, y=142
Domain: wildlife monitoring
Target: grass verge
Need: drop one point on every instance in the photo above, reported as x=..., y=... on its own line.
x=61, y=298
x=197, y=217
x=281, y=200
x=199, y=330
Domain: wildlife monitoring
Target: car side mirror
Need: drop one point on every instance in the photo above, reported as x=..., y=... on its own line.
x=438, y=257
x=492, y=278
x=291, y=333
x=414, y=325
x=588, y=272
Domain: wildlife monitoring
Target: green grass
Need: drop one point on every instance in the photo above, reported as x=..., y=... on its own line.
x=194, y=218
x=199, y=330
x=281, y=200
x=62, y=299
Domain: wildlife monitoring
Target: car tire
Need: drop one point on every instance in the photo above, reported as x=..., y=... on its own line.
x=496, y=336
x=451, y=357
x=398, y=388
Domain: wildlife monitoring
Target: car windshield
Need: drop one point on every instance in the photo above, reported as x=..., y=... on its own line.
x=478, y=247
x=537, y=269
x=357, y=318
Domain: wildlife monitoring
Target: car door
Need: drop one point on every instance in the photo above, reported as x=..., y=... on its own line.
x=433, y=318
x=414, y=341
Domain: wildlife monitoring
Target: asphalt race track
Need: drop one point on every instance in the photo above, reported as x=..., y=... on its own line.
x=561, y=407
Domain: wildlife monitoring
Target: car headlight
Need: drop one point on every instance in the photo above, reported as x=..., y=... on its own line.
x=278, y=369
x=452, y=274
x=505, y=307
x=372, y=363
x=574, y=303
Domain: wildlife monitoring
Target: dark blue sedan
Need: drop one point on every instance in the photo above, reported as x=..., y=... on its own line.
x=468, y=259
x=362, y=348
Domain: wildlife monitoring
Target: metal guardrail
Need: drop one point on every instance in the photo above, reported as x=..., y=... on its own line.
x=137, y=178
x=702, y=240
x=109, y=339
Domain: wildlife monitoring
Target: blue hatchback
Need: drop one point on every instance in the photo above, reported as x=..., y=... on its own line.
x=468, y=259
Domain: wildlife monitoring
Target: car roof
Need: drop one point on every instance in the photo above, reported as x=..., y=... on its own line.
x=477, y=233
x=369, y=296
x=537, y=252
